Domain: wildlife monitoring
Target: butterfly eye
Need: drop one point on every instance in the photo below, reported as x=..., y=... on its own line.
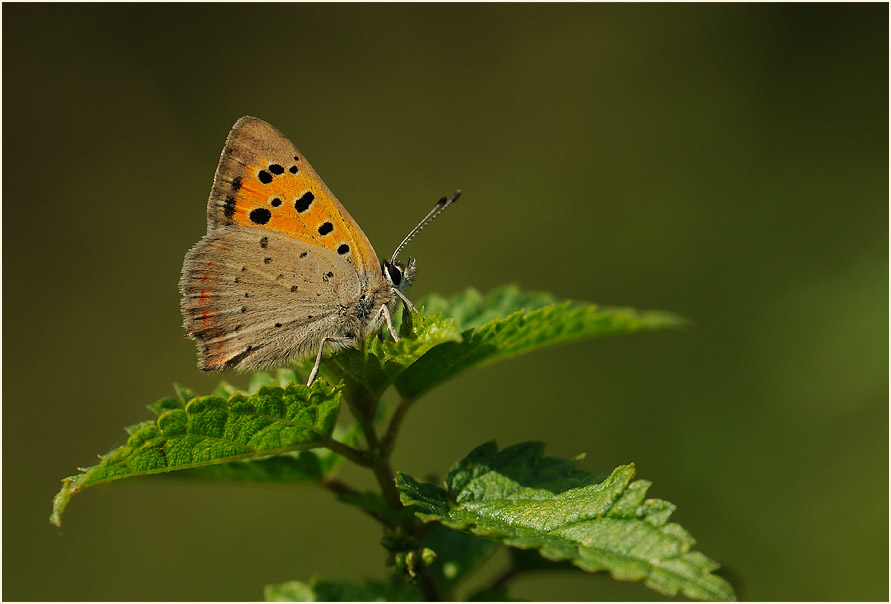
x=395, y=274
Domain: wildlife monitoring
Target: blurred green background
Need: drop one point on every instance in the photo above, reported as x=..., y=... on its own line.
x=725, y=162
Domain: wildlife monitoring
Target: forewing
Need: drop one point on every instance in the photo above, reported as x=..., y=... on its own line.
x=264, y=182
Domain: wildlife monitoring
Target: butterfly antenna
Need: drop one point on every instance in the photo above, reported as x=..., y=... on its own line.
x=438, y=209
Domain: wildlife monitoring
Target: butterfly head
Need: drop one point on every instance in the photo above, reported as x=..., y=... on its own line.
x=398, y=274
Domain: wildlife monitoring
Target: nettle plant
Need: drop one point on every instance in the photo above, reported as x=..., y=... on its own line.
x=544, y=510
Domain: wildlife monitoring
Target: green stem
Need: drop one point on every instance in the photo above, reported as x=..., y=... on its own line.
x=505, y=577
x=383, y=472
x=354, y=455
x=378, y=459
x=338, y=487
x=344, y=490
x=364, y=414
x=393, y=429
x=428, y=587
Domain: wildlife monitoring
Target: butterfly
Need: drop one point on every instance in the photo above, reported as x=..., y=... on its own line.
x=284, y=272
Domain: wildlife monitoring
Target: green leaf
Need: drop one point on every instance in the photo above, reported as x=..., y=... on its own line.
x=211, y=430
x=501, y=324
x=528, y=560
x=369, y=371
x=282, y=377
x=472, y=309
x=292, y=467
x=224, y=389
x=507, y=323
x=525, y=500
x=184, y=394
x=323, y=590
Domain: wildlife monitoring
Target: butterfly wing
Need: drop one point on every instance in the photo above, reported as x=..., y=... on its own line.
x=264, y=182
x=283, y=265
x=254, y=299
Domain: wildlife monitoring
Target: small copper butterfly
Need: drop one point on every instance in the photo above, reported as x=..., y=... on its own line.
x=284, y=271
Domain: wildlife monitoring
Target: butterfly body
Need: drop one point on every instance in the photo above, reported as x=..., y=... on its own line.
x=283, y=271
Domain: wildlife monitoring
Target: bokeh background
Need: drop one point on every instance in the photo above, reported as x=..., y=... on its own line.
x=725, y=162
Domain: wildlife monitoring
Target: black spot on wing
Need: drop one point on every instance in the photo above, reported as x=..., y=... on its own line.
x=229, y=207
x=260, y=215
x=302, y=203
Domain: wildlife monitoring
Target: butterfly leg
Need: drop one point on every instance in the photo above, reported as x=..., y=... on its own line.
x=386, y=312
x=315, y=368
x=408, y=303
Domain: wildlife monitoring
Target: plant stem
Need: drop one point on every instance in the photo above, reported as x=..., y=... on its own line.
x=393, y=429
x=428, y=587
x=379, y=462
x=366, y=422
x=378, y=459
x=506, y=576
x=354, y=455
x=383, y=472
x=338, y=487
x=341, y=488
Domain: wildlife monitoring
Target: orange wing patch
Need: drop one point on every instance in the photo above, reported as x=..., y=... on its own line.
x=280, y=198
x=263, y=182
